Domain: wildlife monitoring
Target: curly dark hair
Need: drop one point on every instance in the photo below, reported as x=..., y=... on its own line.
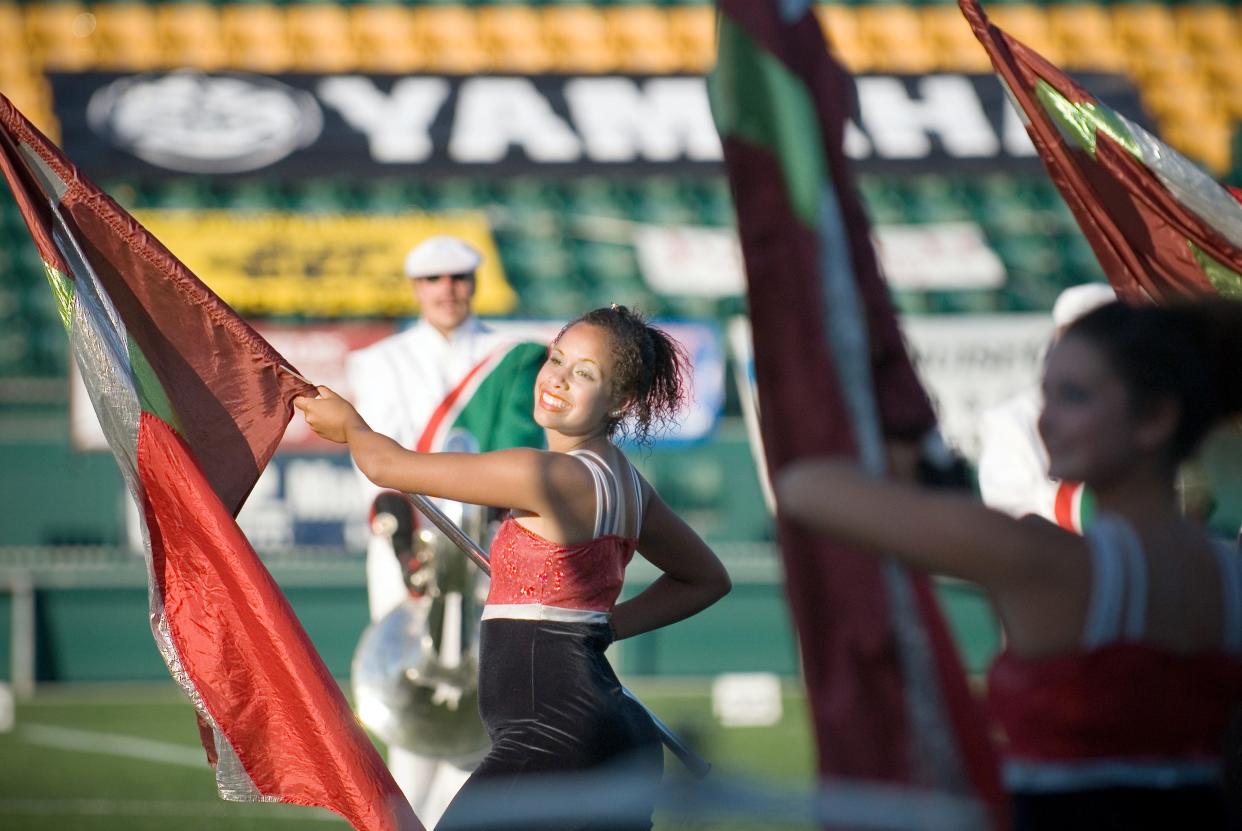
x=650, y=370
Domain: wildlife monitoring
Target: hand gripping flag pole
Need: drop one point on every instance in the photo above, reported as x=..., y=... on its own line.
x=696, y=764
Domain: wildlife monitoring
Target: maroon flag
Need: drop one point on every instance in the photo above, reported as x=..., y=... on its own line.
x=888, y=696
x=1161, y=228
x=193, y=403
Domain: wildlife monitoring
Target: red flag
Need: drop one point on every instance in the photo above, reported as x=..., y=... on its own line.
x=1160, y=227
x=888, y=696
x=193, y=403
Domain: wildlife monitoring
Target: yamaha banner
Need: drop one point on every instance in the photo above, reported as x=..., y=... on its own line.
x=299, y=125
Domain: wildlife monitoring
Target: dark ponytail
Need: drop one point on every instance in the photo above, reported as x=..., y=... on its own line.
x=1189, y=352
x=650, y=369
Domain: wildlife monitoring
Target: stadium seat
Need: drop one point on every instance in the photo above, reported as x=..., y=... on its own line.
x=935, y=198
x=1207, y=27
x=642, y=39
x=893, y=35
x=885, y=202
x=578, y=37
x=512, y=36
x=841, y=28
x=319, y=37
x=693, y=31
x=59, y=35
x=1225, y=83
x=1077, y=257
x=450, y=38
x=530, y=204
x=252, y=195
x=1174, y=92
x=658, y=199
x=126, y=36
x=606, y=267
x=710, y=198
x=11, y=25
x=388, y=196
x=1085, y=37
x=954, y=45
x=453, y=194
x=1144, y=25
x=384, y=37
x=181, y=192
x=191, y=35
x=256, y=37
x=322, y=196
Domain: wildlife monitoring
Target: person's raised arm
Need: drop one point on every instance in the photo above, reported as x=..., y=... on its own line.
x=522, y=478
x=693, y=578
x=930, y=530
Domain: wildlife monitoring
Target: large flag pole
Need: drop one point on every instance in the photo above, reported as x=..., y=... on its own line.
x=888, y=698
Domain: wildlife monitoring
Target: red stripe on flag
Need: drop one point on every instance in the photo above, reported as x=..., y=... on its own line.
x=442, y=410
x=248, y=656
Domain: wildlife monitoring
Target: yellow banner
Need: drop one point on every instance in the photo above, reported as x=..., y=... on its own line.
x=345, y=265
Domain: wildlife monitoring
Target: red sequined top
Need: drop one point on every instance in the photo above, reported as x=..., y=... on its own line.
x=528, y=569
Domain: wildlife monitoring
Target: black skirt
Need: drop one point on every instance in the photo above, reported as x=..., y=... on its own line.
x=563, y=733
x=1201, y=808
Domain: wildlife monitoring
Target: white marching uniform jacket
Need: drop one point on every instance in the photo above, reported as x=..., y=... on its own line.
x=1013, y=464
x=397, y=384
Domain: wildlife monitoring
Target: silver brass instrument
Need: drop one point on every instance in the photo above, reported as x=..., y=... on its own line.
x=415, y=671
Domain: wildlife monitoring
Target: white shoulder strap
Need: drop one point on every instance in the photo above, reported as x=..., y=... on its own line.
x=1230, y=566
x=603, y=489
x=638, y=499
x=1107, y=584
x=609, y=496
x=1135, y=579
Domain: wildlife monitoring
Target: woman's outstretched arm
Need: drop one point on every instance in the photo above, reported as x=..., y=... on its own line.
x=933, y=531
x=693, y=578
x=522, y=478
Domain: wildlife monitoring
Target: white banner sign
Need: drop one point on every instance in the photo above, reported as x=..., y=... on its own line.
x=707, y=262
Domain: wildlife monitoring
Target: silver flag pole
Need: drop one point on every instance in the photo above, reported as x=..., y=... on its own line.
x=696, y=764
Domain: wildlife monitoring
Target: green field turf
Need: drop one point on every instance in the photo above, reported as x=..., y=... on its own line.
x=127, y=758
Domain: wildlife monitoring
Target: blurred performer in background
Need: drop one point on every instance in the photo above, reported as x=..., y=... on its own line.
x=446, y=374
x=1123, y=662
x=1013, y=464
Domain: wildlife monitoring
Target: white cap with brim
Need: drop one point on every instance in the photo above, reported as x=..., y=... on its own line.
x=1077, y=301
x=441, y=255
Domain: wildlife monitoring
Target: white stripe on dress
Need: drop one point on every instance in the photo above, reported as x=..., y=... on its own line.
x=538, y=611
x=1040, y=777
x=1107, y=580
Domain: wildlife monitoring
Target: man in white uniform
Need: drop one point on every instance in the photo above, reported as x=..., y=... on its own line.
x=398, y=386
x=1013, y=464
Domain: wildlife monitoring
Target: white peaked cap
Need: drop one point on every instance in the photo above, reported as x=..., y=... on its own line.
x=441, y=255
x=1077, y=301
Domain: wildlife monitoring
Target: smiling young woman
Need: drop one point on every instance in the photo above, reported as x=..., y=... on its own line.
x=1123, y=661
x=579, y=512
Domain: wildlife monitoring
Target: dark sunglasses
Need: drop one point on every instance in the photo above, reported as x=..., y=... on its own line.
x=456, y=278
